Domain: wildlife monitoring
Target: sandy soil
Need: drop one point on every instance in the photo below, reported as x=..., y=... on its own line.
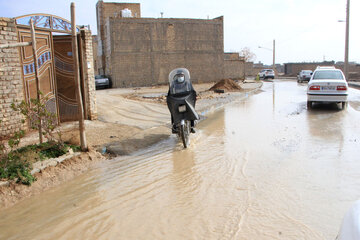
x=128, y=120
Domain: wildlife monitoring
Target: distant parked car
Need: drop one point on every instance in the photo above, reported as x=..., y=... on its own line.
x=327, y=84
x=304, y=75
x=102, y=81
x=266, y=73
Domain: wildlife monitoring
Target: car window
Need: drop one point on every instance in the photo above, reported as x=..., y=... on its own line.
x=328, y=75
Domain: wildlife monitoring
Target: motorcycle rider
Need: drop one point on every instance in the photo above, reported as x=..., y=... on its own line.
x=179, y=88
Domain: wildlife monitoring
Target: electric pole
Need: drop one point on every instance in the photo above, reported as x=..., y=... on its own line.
x=346, y=62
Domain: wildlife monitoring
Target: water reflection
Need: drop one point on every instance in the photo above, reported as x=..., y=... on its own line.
x=326, y=124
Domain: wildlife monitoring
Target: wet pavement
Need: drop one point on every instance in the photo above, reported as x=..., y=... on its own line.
x=260, y=168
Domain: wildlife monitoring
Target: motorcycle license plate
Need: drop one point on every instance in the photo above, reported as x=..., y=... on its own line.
x=182, y=108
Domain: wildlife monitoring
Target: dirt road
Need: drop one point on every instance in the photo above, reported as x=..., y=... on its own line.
x=129, y=120
x=260, y=168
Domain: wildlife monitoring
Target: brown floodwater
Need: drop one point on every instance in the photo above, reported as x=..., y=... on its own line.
x=261, y=168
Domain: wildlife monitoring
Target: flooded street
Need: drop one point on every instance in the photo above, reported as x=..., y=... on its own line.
x=261, y=168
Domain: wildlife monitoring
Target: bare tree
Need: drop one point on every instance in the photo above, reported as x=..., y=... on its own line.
x=247, y=54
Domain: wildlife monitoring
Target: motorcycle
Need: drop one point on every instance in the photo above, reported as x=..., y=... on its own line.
x=181, y=100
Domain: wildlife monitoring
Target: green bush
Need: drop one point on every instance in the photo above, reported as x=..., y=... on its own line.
x=18, y=163
x=13, y=167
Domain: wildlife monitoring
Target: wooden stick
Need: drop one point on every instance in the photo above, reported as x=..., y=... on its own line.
x=33, y=37
x=77, y=80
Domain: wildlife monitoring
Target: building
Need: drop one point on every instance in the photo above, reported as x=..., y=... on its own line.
x=137, y=51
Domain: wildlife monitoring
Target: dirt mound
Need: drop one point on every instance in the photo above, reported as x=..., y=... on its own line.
x=226, y=84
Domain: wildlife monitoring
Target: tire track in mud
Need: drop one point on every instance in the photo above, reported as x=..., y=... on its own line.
x=146, y=105
x=122, y=112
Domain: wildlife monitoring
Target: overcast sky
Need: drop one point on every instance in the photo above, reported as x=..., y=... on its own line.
x=304, y=30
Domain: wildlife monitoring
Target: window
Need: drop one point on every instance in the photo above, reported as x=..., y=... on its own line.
x=327, y=75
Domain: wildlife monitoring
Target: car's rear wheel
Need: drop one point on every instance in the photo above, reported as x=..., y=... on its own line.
x=344, y=105
x=309, y=104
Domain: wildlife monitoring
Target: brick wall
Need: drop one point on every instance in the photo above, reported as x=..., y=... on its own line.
x=234, y=69
x=107, y=49
x=292, y=69
x=104, y=10
x=144, y=51
x=88, y=70
x=95, y=49
x=11, y=86
x=231, y=56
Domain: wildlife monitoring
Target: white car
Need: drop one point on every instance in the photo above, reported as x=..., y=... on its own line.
x=267, y=73
x=327, y=84
x=304, y=75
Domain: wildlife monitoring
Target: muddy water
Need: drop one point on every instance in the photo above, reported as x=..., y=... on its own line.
x=262, y=168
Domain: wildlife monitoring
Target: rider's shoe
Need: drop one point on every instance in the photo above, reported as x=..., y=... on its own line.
x=193, y=130
x=174, y=129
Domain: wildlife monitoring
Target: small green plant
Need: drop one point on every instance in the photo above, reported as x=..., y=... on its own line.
x=39, y=116
x=11, y=165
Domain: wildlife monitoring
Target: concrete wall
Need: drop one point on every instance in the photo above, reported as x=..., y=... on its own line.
x=11, y=86
x=144, y=51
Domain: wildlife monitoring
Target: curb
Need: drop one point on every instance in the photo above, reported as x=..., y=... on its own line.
x=218, y=106
x=354, y=85
x=41, y=165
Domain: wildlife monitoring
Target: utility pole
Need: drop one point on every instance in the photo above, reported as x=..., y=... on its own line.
x=346, y=62
x=274, y=56
x=75, y=54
